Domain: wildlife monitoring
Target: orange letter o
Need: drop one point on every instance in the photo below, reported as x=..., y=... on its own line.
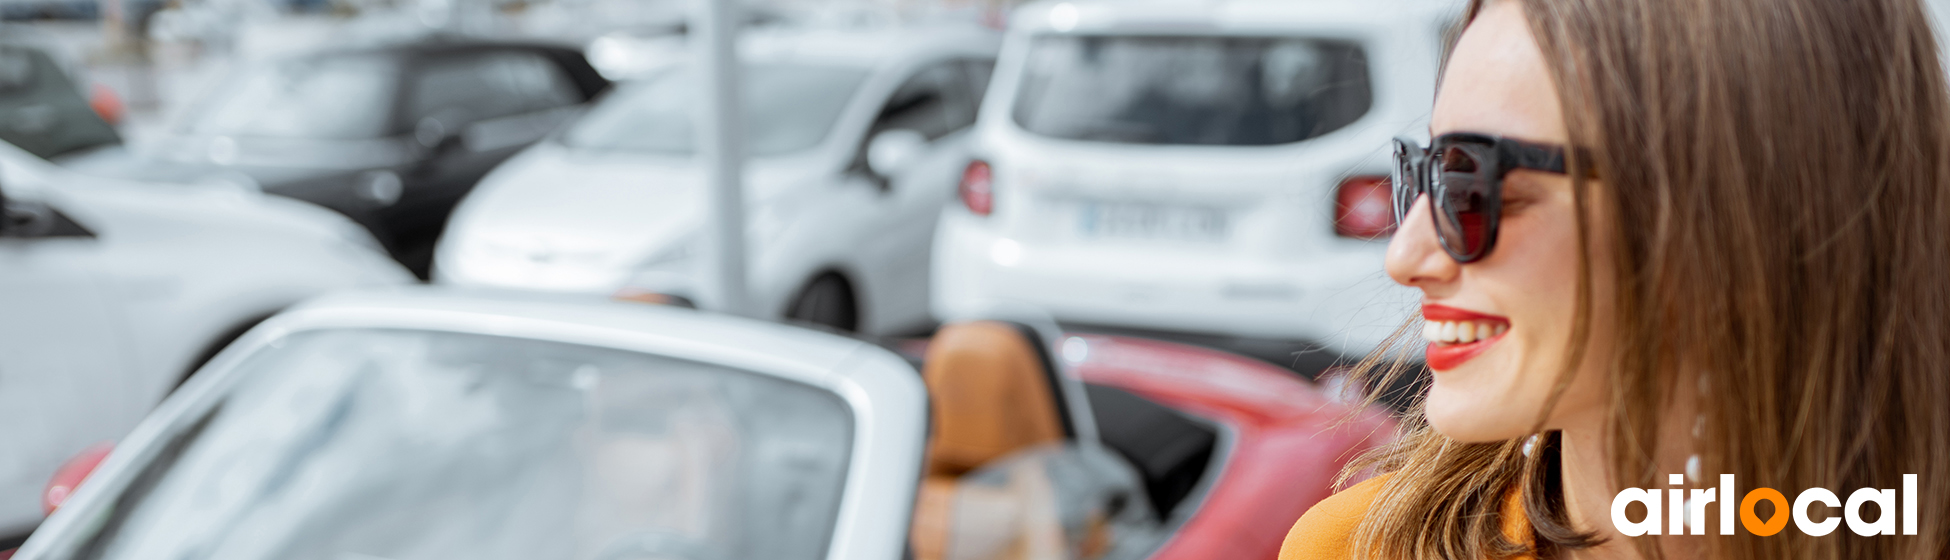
x=1752, y=522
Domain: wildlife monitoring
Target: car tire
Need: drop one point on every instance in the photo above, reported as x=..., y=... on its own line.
x=827, y=301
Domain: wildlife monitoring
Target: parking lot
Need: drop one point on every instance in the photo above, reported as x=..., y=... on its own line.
x=930, y=279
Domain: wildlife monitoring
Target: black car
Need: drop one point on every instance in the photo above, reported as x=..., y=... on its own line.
x=391, y=136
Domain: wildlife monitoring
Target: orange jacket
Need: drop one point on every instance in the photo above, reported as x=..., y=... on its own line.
x=1326, y=531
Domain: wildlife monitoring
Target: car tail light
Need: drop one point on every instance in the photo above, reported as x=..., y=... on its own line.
x=1363, y=208
x=977, y=188
x=71, y=474
x=105, y=103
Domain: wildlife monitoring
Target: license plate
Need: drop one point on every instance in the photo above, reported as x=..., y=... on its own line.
x=1127, y=220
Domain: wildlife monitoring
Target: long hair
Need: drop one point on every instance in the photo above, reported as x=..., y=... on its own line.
x=1774, y=175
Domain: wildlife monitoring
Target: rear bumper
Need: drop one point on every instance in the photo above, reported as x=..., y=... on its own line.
x=1342, y=301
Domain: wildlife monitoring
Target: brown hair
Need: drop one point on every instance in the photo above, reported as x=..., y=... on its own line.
x=1775, y=174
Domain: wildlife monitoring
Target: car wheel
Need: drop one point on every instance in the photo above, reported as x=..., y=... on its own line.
x=827, y=301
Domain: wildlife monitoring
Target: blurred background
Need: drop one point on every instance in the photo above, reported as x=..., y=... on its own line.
x=1206, y=142
x=1183, y=203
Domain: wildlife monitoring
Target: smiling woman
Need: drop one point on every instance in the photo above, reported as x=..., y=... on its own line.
x=1655, y=249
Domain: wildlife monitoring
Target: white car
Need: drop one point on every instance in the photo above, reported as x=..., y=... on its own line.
x=1213, y=168
x=112, y=292
x=616, y=200
x=433, y=424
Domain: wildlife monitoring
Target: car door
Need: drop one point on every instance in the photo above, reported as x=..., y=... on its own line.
x=939, y=101
x=63, y=380
x=475, y=109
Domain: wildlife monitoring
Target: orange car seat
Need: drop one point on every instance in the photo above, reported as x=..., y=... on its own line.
x=993, y=394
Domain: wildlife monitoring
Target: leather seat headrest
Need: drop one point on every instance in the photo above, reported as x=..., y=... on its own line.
x=992, y=393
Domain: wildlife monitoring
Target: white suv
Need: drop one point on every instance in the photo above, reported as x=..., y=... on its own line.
x=1207, y=168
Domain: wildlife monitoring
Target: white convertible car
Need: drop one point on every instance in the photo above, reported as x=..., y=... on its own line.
x=110, y=293
x=615, y=201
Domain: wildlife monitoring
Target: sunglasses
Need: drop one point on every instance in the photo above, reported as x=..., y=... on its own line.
x=1463, y=175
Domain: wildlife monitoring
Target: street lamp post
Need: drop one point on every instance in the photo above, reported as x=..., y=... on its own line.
x=713, y=33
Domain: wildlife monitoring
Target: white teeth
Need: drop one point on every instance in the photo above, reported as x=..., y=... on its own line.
x=1461, y=332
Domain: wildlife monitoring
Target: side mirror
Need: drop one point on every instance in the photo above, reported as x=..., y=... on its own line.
x=890, y=152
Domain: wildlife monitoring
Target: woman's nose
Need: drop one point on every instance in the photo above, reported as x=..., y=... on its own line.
x=1415, y=258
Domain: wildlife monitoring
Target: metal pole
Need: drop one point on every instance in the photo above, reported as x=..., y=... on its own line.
x=713, y=34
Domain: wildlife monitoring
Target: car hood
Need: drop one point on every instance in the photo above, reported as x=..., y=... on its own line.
x=217, y=207
x=601, y=210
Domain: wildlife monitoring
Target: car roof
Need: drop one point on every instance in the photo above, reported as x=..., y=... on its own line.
x=1219, y=16
x=870, y=46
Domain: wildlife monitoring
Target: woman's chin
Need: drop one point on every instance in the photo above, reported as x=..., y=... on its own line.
x=1462, y=407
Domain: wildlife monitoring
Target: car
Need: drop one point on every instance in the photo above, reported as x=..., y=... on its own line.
x=855, y=140
x=115, y=291
x=1213, y=169
x=391, y=135
x=422, y=423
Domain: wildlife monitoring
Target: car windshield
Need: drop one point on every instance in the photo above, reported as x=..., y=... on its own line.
x=390, y=444
x=44, y=113
x=1191, y=90
x=338, y=97
x=788, y=108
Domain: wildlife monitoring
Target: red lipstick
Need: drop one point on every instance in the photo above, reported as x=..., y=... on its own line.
x=1446, y=355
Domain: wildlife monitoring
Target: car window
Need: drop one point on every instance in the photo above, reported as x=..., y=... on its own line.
x=41, y=111
x=979, y=72
x=473, y=87
x=422, y=445
x=1169, y=450
x=326, y=97
x=789, y=108
x=1202, y=90
x=934, y=101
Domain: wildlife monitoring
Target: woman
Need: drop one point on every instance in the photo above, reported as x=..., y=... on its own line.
x=1660, y=237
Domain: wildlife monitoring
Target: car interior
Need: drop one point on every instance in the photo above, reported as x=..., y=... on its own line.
x=996, y=398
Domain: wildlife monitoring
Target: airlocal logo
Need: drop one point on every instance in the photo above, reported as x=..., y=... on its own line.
x=1689, y=514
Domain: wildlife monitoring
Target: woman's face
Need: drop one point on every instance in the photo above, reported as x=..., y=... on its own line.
x=1496, y=84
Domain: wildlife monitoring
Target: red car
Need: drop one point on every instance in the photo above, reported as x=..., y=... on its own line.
x=437, y=425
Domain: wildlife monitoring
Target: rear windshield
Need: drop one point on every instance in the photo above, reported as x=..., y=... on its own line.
x=1191, y=90
x=788, y=108
x=338, y=97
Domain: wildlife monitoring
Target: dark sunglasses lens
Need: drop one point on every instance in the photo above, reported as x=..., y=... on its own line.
x=1403, y=187
x=1462, y=217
